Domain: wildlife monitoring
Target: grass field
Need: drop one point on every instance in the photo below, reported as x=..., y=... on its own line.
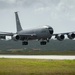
x=36, y=67
x=31, y=52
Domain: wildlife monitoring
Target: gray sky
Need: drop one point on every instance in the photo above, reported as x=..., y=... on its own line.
x=60, y=14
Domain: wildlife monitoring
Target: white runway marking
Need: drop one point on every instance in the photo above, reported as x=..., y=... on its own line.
x=52, y=57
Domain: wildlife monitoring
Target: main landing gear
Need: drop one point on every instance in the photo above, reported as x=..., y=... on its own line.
x=24, y=43
x=43, y=43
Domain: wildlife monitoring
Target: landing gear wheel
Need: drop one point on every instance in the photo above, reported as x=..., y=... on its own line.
x=43, y=43
x=47, y=40
x=24, y=43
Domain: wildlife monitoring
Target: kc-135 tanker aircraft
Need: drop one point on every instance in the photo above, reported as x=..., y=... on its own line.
x=42, y=34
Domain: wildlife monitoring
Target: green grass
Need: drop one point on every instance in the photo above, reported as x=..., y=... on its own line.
x=36, y=67
x=32, y=52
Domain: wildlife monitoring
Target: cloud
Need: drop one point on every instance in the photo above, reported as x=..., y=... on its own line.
x=5, y=4
x=60, y=4
x=27, y=3
x=57, y=8
x=66, y=8
x=57, y=13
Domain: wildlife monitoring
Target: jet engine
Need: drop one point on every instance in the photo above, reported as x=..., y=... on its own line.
x=60, y=37
x=2, y=37
x=71, y=35
x=16, y=37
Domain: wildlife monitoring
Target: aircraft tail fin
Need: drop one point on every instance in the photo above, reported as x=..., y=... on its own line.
x=18, y=24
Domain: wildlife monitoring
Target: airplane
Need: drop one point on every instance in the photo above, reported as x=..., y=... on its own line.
x=42, y=34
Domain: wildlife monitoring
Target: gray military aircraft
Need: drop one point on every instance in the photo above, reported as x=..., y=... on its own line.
x=42, y=34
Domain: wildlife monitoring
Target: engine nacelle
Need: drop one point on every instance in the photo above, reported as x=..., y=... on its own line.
x=71, y=35
x=16, y=37
x=2, y=37
x=60, y=37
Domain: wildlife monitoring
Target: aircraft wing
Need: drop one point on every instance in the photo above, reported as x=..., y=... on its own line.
x=60, y=36
x=6, y=34
x=64, y=33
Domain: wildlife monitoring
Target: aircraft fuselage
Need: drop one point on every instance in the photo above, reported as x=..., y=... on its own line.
x=43, y=33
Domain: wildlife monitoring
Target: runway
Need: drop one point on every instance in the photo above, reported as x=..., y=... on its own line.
x=51, y=57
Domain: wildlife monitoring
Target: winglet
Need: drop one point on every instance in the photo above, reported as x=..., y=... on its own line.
x=18, y=24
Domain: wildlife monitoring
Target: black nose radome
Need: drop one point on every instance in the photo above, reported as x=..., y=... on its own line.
x=50, y=30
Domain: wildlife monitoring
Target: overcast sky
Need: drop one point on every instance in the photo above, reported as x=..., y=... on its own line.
x=60, y=14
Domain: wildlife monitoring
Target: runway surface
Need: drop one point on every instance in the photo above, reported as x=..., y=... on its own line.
x=52, y=57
